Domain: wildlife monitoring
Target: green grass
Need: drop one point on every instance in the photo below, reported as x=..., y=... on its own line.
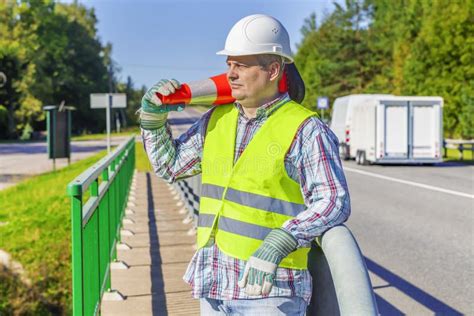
x=126, y=132
x=141, y=160
x=453, y=155
x=37, y=234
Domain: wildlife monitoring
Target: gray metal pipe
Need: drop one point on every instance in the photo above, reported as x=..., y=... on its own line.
x=341, y=283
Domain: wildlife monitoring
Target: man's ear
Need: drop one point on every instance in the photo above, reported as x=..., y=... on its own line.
x=274, y=71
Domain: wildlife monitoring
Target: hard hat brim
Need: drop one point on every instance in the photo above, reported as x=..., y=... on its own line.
x=225, y=52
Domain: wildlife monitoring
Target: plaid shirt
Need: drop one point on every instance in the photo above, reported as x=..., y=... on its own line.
x=312, y=161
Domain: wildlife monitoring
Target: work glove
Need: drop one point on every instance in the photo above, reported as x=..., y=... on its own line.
x=260, y=270
x=153, y=113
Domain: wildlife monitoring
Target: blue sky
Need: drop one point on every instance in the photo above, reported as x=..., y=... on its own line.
x=178, y=39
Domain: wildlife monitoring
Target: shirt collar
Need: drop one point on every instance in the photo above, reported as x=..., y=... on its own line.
x=265, y=110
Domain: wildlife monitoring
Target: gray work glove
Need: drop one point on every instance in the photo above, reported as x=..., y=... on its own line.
x=260, y=270
x=153, y=113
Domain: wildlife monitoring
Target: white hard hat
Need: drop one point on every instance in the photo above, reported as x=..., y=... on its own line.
x=258, y=34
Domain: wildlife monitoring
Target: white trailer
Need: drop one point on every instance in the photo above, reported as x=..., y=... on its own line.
x=341, y=119
x=396, y=130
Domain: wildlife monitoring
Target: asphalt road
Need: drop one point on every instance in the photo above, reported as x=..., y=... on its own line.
x=417, y=240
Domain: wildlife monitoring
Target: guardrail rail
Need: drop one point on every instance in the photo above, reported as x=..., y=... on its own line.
x=98, y=199
x=460, y=145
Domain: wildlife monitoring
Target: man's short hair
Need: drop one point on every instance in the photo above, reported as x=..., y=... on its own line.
x=266, y=60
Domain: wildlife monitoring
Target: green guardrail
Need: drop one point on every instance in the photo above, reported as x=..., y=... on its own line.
x=96, y=224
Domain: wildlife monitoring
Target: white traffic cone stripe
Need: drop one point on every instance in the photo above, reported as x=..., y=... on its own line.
x=203, y=92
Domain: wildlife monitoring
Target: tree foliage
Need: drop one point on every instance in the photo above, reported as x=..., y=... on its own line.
x=51, y=53
x=134, y=97
x=408, y=47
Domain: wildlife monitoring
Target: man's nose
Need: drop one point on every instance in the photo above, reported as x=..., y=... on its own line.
x=232, y=73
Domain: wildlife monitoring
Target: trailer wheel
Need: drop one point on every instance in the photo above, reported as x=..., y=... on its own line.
x=344, y=151
x=362, y=159
x=357, y=157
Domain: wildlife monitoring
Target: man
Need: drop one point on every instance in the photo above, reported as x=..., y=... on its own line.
x=272, y=180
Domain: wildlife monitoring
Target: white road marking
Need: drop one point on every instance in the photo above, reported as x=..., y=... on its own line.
x=415, y=184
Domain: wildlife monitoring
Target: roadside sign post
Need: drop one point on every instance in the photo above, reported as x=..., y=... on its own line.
x=107, y=118
x=58, y=121
x=323, y=104
x=108, y=101
x=117, y=122
x=3, y=79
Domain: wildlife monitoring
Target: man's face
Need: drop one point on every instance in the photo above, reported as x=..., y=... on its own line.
x=248, y=80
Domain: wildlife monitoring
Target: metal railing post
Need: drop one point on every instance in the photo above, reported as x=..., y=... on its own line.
x=77, y=260
x=105, y=228
x=113, y=208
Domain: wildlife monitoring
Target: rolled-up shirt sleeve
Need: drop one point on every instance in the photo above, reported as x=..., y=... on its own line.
x=175, y=159
x=313, y=161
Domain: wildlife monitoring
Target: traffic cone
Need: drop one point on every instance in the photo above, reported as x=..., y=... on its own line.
x=215, y=91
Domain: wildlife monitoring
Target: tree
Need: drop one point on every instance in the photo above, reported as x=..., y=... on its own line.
x=134, y=98
x=15, y=45
x=407, y=47
x=333, y=58
x=52, y=53
x=441, y=62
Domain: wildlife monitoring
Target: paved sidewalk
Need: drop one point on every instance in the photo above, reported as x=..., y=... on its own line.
x=161, y=249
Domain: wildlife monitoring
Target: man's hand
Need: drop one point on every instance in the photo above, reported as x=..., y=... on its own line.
x=153, y=113
x=260, y=270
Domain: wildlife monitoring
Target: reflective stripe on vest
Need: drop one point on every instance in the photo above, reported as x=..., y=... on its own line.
x=206, y=220
x=253, y=200
x=234, y=226
x=242, y=202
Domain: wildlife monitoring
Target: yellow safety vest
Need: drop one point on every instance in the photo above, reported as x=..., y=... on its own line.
x=242, y=203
